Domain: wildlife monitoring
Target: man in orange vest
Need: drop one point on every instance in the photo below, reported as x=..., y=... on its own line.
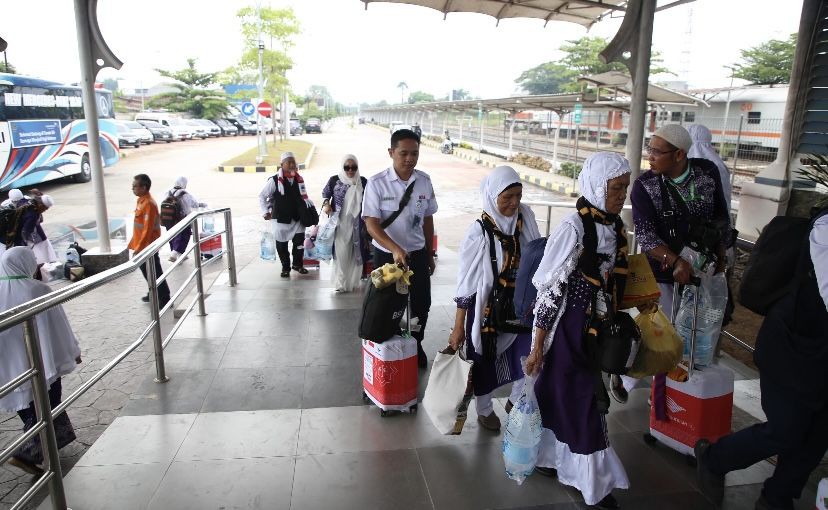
x=146, y=229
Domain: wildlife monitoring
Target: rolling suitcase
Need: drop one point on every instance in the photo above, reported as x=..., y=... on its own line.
x=699, y=408
x=390, y=371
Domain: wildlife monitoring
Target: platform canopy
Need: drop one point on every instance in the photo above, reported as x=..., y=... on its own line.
x=613, y=86
x=582, y=12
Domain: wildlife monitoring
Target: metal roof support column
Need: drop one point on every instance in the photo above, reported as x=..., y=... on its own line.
x=641, y=76
x=555, y=164
x=93, y=53
x=511, y=135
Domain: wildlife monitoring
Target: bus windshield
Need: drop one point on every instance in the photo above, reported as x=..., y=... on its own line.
x=43, y=131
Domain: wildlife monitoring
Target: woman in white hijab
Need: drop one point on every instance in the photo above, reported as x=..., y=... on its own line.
x=58, y=345
x=584, y=265
x=343, y=196
x=703, y=148
x=495, y=351
x=187, y=202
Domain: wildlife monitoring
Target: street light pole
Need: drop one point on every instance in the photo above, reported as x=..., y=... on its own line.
x=260, y=134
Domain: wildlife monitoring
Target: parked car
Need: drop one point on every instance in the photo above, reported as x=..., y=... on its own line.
x=143, y=134
x=199, y=131
x=243, y=125
x=126, y=137
x=181, y=130
x=417, y=129
x=296, y=127
x=361, y=120
x=396, y=127
x=212, y=129
x=159, y=132
x=313, y=125
x=227, y=129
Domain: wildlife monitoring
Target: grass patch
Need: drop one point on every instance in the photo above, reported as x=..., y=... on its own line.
x=248, y=158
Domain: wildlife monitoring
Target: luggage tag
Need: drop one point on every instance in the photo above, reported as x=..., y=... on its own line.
x=601, y=304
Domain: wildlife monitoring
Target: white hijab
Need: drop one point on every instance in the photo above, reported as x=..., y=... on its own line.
x=57, y=341
x=564, y=246
x=475, y=272
x=353, y=197
x=181, y=182
x=703, y=148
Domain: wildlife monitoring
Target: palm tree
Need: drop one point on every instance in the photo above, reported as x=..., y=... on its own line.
x=402, y=86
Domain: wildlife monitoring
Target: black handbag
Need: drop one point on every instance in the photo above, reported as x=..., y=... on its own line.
x=616, y=333
x=382, y=311
x=308, y=216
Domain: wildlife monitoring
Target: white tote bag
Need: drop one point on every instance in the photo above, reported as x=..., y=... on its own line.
x=444, y=393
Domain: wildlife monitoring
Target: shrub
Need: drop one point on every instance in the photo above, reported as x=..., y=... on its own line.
x=536, y=162
x=570, y=169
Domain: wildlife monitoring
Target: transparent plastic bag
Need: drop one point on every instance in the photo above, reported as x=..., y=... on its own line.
x=267, y=245
x=712, y=296
x=322, y=248
x=521, y=439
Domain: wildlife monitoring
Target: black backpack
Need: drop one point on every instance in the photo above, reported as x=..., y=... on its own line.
x=171, y=211
x=771, y=269
x=525, y=291
x=8, y=225
x=382, y=311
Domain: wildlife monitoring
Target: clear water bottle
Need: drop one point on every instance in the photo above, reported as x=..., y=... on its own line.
x=712, y=298
x=267, y=249
x=208, y=223
x=521, y=440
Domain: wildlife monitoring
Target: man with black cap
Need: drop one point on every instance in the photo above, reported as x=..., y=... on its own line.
x=676, y=191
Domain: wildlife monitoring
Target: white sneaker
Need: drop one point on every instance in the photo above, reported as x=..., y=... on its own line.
x=173, y=258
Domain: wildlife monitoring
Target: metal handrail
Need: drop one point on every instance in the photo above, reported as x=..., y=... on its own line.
x=27, y=312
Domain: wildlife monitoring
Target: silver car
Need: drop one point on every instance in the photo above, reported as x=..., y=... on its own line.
x=199, y=130
x=143, y=134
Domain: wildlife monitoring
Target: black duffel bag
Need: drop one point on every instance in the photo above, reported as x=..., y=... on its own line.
x=382, y=311
x=308, y=216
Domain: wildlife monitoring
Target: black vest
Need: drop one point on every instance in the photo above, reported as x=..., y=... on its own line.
x=285, y=208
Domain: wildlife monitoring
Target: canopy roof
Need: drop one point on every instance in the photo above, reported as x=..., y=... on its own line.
x=621, y=83
x=582, y=12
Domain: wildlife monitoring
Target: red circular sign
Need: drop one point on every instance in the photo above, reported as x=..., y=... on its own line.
x=264, y=109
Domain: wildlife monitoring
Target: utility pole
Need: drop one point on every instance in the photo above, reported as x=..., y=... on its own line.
x=260, y=131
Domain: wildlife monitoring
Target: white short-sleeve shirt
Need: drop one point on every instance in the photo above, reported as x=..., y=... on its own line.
x=382, y=197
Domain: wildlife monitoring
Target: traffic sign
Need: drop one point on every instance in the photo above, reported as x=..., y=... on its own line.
x=264, y=109
x=248, y=109
x=577, y=114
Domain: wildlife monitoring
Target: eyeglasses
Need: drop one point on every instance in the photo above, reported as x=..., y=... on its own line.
x=657, y=152
x=348, y=168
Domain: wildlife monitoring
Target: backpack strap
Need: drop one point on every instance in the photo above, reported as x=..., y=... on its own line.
x=403, y=202
x=670, y=215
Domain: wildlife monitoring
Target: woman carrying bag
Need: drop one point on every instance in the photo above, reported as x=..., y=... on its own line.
x=583, y=270
x=343, y=195
x=484, y=302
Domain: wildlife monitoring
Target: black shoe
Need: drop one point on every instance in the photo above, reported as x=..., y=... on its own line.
x=617, y=389
x=145, y=299
x=25, y=465
x=300, y=270
x=285, y=273
x=162, y=302
x=608, y=503
x=547, y=471
x=422, y=359
x=710, y=483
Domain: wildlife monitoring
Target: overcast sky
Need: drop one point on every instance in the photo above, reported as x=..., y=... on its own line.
x=361, y=55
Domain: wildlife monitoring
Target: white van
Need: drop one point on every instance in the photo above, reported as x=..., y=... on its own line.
x=181, y=130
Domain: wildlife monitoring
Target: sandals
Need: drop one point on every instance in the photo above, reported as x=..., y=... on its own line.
x=300, y=270
x=28, y=467
x=285, y=273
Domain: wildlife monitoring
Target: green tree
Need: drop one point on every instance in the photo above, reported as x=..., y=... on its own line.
x=193, y=94
x=403, y=86
x=111, y=84
x=418, y=96
x=10, y=69
x=460, y=94
x=580, y=58
x=279, y=26
x=767, y=64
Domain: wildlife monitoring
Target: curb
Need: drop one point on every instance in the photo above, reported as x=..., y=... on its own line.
x=249, y=169
x=546, y=184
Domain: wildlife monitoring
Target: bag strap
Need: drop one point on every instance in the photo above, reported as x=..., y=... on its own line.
x=492, y=254
x=403, y=202
x=674, y=241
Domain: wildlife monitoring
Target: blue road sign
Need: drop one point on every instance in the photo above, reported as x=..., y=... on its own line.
x=248, y=109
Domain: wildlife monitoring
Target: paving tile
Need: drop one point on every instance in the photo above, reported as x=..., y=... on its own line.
x=128, y=487
x=244, y=389
x=424, y=434
x=253, y=324
x=140, y=440
x=241, y=434
x=183, y=393
x=335, y=385
x=647, y=471
x=358, y=481
x=473, y=477
x=214, y=325
x=265, y=351
x=353, y=429
x=261, y=484
x=332, y=349
x=194, y=354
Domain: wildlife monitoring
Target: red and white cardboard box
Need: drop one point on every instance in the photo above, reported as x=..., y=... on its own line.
x=700, y=408
x=389, y=372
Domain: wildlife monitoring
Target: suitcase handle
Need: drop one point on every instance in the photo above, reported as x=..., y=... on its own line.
x=695, y=281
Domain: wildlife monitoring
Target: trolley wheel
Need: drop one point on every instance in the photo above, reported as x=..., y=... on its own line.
x=366, y=398
x=413, y=409
x=384, y=413
x=690, y=460
x=650, y=439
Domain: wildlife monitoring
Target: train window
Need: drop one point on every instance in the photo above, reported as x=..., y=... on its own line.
x=754, y=117
x=675, y=117
x=689, y=116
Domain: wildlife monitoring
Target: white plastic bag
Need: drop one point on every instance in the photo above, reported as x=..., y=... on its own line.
x=822, y=495
x=267, y=245
x=712, y=296
x=322, y=248
x=444, y=394
x=521, y=440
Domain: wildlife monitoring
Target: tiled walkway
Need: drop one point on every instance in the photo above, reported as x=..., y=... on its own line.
x=264, y=410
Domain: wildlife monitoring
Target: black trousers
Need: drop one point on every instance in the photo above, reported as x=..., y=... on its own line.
x=420, y=285
x=796, y=432
x=163, y=289
x=298, y=252
x=31, y=451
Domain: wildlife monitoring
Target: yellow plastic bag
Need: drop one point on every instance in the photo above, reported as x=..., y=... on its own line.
x=389, y=274
x=641, y=287
x=661, y=346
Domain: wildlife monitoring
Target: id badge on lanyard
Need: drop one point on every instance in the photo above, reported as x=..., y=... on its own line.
x=601, y=304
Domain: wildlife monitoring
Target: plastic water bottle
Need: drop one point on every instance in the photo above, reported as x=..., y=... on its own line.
x=208, y=224
x=267, y=248
x=712, y=297
x=73, y=256
x=521, y=440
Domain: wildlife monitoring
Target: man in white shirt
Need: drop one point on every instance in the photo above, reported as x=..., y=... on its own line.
x=404, y=237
